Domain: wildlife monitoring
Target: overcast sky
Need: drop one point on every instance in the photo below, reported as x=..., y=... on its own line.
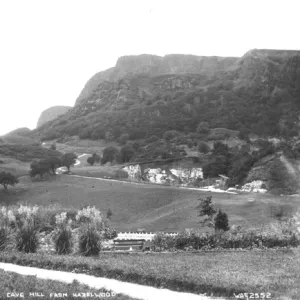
x=49, y=49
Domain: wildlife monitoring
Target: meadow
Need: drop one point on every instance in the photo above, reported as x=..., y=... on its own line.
x=153, y=207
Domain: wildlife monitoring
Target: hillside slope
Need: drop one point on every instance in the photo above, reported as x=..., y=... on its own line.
x=52, y=113
x=143, y=206
x=259, y=92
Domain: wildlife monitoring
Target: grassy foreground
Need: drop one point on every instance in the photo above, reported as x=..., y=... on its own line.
x=215, y=273
x=12, y=283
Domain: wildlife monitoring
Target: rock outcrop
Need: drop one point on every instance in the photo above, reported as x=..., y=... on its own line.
x=152, y=65
x=52, y=113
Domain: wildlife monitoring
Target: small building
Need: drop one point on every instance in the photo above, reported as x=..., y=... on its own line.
x=222, y=183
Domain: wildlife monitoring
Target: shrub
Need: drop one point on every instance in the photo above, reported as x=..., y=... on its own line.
x=221, y=221
x=110, y=234
x=203, y=147
x=27, y=230
x=203, y=127
x=27, y=239
x=89, y=242
x=126, y=153
x=68, y=160
x=170, y=134
x=97, y=158
x=63, y=234
x=123, y=138
x=90, y=160
x=4, y=237
x=163, y=242
x=110, y=154
x=89, y=237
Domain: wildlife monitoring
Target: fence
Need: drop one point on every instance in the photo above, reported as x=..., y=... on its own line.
x=147, y=236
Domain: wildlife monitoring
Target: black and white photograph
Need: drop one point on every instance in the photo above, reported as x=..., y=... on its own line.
x=150, y=149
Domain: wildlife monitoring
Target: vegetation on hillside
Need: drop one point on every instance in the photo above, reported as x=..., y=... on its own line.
x=236, y=99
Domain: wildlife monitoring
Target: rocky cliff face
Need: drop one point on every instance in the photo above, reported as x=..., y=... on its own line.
x=152, y=65
x=146, y=95
x=51, y=114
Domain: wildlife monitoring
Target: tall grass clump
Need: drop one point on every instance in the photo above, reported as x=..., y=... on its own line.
x=7, y=217
x=90, y=231
x=27, y=230
x=63, y=234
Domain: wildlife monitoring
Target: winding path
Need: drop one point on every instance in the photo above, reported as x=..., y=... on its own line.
x=119, y=287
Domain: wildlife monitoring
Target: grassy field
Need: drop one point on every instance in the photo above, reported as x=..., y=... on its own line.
x=152, y=207
x=14, y=283
x=220, y=274
x=14, y=166
x=82, y=146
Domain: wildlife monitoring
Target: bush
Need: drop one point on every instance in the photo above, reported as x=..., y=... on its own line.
x=163, y=242
x=123, y=138
x=126, y=153
x=27, y=239
x=63, y=241
x=4, y=237
x=203, y=147
x=90, y=160
x=89, y=242
x=97, y=158
x=63, y=235
x=110, y=234
x=170, y=134
x=221, y=221
x=110, y=154
x=203, y=127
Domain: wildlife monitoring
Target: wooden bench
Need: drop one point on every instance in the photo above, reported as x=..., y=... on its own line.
x=129, y=244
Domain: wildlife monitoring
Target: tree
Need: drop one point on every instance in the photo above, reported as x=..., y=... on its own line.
x=126, y=153
x=109, y=154
x=90, y=160
x=203, y=127
x=97, y=158
x=123, y=138
x=221, y=221
x=170, y=134
x=109, y=214
x=7, y=179
x=39, y=167
x=203, y=147
x=54, y=162
x=68, y=160
x=220, y=149
x=205, y=208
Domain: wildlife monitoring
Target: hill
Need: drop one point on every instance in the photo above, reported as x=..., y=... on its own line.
x=153, y=65
x=26, y=153
x=142, y=97
x=19, y=136
x=52, y=113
